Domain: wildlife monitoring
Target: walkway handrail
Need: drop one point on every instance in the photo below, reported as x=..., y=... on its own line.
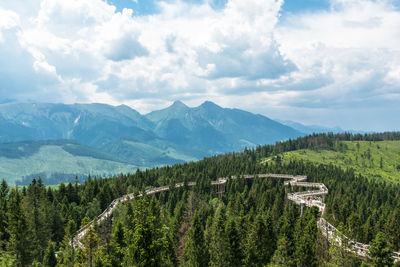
x=300, y=198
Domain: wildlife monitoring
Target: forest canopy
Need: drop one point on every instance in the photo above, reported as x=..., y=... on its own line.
x=252, y=223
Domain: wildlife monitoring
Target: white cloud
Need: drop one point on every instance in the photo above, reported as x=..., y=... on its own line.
x=239, y=55
x=356, y=46
x=174, y=52
x=8, y=20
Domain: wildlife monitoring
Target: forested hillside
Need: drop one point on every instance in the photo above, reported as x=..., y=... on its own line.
x=373, y=159
x=252, y=223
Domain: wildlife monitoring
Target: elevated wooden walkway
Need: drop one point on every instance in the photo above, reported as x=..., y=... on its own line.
x=305, y=198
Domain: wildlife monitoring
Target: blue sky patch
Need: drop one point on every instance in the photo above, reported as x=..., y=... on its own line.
x=147, y=7
x=297, y=6
x=139, y=7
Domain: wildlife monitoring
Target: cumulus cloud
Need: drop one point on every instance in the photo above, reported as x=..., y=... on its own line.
x=8, y=20
x=355, y=46
x=237, y=53
x=173, y=52
x=357, y=59
x=125, y=48
x=23, y=71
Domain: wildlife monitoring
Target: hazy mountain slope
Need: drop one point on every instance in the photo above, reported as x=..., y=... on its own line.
x=154, y=152
x=310, y=129
x=173, y=135
x=92, y=124
x=212, y=128
x=55, y=160
x=242, y=125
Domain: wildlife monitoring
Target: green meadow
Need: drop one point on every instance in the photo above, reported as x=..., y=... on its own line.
x=380, y=159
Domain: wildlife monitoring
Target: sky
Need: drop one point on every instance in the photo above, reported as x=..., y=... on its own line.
x=323, y=62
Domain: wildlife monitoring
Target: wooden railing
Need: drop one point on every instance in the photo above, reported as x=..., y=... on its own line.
x=304, y=198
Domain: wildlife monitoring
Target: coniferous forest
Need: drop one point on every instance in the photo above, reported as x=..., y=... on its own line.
x=251, y=224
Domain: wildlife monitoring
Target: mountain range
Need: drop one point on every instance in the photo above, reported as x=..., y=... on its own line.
x=310, y=129
x=121, y=139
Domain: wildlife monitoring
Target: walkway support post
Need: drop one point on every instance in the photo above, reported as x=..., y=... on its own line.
x=300, y=198
x=220, y=189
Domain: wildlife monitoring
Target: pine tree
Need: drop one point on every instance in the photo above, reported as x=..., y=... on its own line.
x=260, y=243
x=146, y=244
x=232, y=233
x=393, y=230
x=91, y=242
x=117, y=244
x=54, y=221
x=167, y=251
x=50, y=259
x=379, y=253
x=3, y=214
x=219, y=247
x=4, y=189
x=195, y=252
x=306, y=229
x=20, y=236
x=118, y=234
x=68, y=252
x=38, y=214
x=282, y=255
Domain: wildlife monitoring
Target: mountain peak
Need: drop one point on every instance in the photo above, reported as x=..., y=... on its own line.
x=178, y=103
x=176, y=109
x=208, y=104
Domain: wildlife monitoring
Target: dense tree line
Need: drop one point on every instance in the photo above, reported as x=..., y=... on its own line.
x=252, y=223
x=320, y=141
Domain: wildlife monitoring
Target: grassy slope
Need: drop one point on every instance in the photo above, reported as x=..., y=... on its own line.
x=51, y=159
x=169, y=151
x=348, y=155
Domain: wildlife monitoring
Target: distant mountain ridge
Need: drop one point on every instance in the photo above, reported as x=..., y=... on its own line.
x=310, y=129
x=175, y=134
x=213, y=128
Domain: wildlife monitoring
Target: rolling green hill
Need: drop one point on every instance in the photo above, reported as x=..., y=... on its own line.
x=372, y=159
x=250, y=222
x=56, y=161
x=156, y=152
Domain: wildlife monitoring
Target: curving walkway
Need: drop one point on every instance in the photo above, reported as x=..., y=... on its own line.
x=305, y=198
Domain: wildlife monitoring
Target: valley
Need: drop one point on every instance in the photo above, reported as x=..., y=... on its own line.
x=120, y=134
x=200, y=133
x=183, y=215
x=56, y=161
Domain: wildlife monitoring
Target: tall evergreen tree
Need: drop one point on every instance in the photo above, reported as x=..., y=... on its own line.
x=195, y=251
x=393, y=229
x=233, y=236
x=144, y=240
x=379, y=252
x=37, y=209
x=219, y=247
x=306, y=230
x=20, y=236
x=282, y=255
x=3, y=214
x=68, y=251
x=49, y=259
x=91, y=243
x=260, y=243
